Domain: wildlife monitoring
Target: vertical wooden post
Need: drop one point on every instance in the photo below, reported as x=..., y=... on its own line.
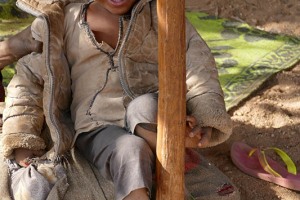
x=172, y=100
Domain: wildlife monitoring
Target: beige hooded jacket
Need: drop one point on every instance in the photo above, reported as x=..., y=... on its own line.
x=37, y=113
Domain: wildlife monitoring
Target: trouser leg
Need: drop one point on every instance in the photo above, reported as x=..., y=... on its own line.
x=125, y=159
x=143, y=111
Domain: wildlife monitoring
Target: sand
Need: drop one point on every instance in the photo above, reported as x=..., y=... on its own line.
x=271, y=115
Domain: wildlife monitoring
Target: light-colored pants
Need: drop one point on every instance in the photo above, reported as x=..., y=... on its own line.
x=119, y=155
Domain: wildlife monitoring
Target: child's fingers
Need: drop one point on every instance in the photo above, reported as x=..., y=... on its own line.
x=191, y=121
x=205, y=137
x=24, y=163
x=192, y=128
x=196, y=131
x=22, y=155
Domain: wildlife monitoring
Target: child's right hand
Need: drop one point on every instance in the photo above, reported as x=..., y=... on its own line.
x=197, y=137
x=22, y=155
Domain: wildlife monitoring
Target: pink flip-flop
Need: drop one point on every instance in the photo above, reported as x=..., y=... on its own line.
x=254, y=162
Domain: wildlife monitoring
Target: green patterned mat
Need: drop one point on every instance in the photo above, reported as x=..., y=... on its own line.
x=245, y=56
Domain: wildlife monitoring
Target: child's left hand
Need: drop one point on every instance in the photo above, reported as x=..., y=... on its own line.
x=196, y=136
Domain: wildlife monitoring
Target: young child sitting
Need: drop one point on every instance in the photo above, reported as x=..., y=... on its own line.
x=95, y=87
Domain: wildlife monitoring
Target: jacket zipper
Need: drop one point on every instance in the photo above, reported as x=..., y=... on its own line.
x=123, y=82
x=23, y=6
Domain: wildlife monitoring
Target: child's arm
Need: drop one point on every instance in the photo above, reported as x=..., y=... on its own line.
x=23, y=117
x=205, y=100
x=18, y=46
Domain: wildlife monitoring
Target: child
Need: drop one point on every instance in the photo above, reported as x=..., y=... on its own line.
x=95, y=86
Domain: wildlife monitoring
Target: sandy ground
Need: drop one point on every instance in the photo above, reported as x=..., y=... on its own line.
x=271, y=115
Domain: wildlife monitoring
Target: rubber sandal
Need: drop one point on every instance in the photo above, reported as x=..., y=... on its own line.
x=254, y=162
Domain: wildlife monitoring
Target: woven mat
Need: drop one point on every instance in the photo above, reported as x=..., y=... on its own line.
x=245, y=56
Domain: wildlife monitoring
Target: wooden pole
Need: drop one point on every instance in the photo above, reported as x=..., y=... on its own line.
x=172, y=100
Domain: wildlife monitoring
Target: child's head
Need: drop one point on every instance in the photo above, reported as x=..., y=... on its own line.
x=117, y=7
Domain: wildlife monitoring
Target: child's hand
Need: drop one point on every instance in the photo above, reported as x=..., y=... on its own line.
x=197, y=136
x=22, y=155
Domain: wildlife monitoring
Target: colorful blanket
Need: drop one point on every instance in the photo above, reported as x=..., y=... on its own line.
x=245, y=56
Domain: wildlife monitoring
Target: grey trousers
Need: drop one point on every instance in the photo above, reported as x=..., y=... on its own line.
x=119, y=155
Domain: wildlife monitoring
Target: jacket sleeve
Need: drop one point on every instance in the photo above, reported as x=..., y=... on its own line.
x=205, y=99
x=23, y=117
